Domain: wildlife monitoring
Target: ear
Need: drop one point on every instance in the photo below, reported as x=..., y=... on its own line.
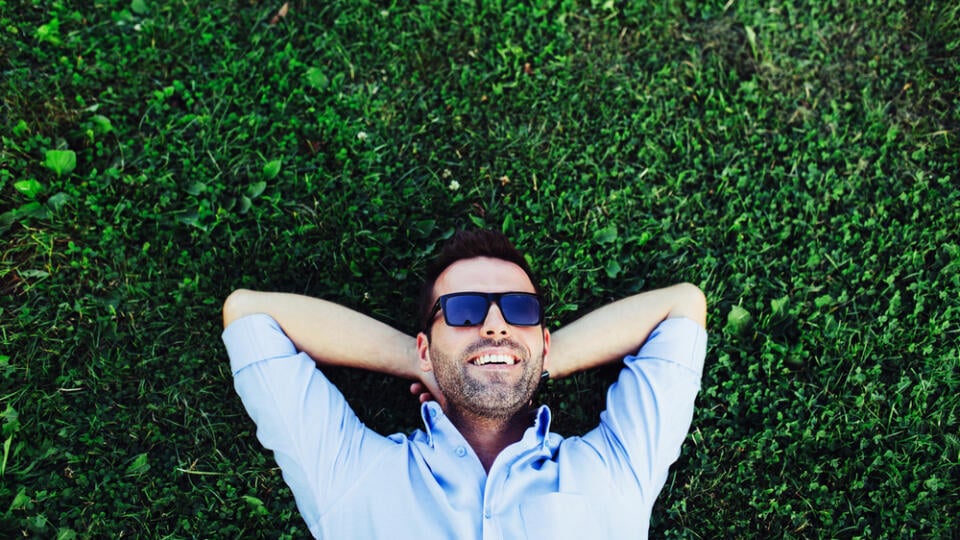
x=546, y=348
x=423, y=352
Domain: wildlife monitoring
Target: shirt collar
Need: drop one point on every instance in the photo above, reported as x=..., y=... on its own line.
x=541, y=424
x=430, y=412
x=433, y=418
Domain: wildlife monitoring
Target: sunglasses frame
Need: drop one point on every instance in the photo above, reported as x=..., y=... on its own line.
x=491, y=298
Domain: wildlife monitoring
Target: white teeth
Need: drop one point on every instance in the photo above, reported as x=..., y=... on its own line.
x=495, y=359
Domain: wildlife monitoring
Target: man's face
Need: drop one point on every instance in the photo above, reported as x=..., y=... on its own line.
x=468, y=362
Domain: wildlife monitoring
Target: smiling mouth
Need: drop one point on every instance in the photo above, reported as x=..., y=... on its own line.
x=494, y=359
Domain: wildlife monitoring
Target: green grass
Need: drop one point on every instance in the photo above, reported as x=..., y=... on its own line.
x=796, y=160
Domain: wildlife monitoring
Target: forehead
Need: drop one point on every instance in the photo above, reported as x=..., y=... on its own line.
x=482, y=274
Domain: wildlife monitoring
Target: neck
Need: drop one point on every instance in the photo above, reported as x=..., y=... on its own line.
x=489, y=436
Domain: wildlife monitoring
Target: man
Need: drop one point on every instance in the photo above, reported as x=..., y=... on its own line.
x=485, y=465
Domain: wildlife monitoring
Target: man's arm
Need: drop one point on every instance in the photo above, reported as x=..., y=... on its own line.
x=318, y=441
x=329, y=333
x=613, y=331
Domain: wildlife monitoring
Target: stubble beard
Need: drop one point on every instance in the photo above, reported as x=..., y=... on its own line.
x=492, y=396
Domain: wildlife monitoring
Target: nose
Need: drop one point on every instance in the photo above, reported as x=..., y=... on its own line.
x=494, y=324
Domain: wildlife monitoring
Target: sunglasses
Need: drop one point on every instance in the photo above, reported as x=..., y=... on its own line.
x=471, y=308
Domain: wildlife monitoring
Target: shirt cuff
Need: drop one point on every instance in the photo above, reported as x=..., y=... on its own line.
x=254, y=338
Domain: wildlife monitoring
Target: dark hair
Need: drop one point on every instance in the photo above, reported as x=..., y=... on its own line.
x=467, y=245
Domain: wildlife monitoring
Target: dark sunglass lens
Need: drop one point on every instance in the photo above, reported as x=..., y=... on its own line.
x=465, y=310
x=520, y=309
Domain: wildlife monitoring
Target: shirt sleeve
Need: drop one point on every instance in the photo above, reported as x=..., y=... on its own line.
x=317, y=440
x=650, y=406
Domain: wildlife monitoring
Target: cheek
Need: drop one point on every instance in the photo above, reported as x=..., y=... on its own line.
x=537, y=342
x=451, y=340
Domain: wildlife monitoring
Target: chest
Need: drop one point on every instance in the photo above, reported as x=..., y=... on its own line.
x=526, y=498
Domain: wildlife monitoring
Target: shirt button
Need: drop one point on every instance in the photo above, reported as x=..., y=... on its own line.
x=486, y=513
x=461, y=451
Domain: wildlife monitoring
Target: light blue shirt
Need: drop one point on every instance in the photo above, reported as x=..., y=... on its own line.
x=351, y=482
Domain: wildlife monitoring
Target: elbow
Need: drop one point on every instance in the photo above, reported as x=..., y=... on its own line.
x=692, y=304
x=235, y=306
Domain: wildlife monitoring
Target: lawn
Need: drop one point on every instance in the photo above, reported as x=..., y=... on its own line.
x=796, y=160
